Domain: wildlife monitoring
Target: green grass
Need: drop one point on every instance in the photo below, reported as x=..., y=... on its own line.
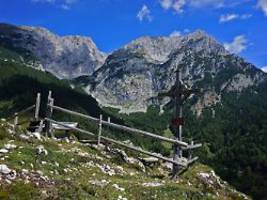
x=77, y=183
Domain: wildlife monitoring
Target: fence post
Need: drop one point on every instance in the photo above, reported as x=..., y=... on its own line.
x=99, y=130
x=40, y=128
x=48, y=114
x=190, y=152
x=108, y=119
x=16, y=119
x=37, y=106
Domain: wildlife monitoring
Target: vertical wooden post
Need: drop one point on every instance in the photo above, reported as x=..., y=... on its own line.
x=48, y=114
x=16, y=119
x=49, y=94
x=37, y=106
x=190, y=151
x=40, y=128
x=178, y=130
x=99, y=130
x=108, y=119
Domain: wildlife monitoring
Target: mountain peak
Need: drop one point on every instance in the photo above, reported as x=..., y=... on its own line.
x=65, y=57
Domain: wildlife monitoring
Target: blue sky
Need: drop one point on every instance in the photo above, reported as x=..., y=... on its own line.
x=241, y=25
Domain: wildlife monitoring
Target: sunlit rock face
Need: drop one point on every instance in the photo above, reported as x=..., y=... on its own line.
x=134, y=74
x=66, y=57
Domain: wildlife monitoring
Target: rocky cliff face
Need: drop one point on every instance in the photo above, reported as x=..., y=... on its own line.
x=65, y=57
x=134, y=74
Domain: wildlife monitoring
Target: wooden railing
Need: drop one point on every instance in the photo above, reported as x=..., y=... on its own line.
x=48, y=120
x=181, y=162
x=16, y=115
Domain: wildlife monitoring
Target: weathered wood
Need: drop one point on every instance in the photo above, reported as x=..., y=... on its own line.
x=75, y=113
x=122, y=144
x=192, y=160
x=194, y=146
x=41, y=126
x=49, y=94
x=99, y=130
x=125, y=128
x=16, y=119
x=49, y=115
x=58, y=127
x=145, y=133
x=37, y=106
x=21, y=112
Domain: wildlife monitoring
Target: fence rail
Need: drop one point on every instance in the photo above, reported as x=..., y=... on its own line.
x=21, y=112
x=120, y=143
x=181, y=161
x=121, y=127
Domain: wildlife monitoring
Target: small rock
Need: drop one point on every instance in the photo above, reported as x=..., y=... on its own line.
x=25, y=171
x=4, y=151
x=101, y=183
x=151, y=184
x=41, y=150
x=118, y=187
x=37, y=135
x=56, y=164
x=10, y=146
x=40, y=172
x=121, y=198
x=43, y=162
x=12, y=175
x=24, y=137
x=4, y=169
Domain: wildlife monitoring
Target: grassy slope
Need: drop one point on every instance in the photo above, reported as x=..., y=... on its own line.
x=78, y=182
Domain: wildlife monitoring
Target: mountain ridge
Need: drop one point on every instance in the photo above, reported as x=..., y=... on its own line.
x=65, y=57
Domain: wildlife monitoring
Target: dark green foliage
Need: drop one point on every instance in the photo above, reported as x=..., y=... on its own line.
x=235, y=142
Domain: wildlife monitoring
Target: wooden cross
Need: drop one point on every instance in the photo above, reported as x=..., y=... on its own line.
x=179, y=93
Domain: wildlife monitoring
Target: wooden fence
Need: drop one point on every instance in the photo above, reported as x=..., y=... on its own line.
x=16, y=115
x=181, y=162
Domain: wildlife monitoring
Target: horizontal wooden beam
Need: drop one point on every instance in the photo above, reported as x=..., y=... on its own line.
x=121, y=144
x=21, y=112
x=192, y=160
x=74, y=113
x=194, y=146
x=145, y=133
x=125, y=128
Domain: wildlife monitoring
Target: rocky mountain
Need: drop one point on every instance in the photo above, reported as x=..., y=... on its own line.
x=132, y=75
x=66, y=57
x=229, y=117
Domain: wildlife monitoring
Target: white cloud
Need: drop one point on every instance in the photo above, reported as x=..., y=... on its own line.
x=179, y=5
x=176, y=34
x=264, y=69
x=228, y=17
x=238, y=45
x=232, y=16
x=262, y=4
x=206, y=3
x=176, y=5
x=166, y=4
x=144, y=14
